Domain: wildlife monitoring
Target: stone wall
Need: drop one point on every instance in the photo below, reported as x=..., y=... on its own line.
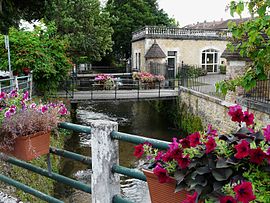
x=215, y=111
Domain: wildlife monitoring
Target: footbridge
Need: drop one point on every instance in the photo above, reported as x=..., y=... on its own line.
x=119, y=89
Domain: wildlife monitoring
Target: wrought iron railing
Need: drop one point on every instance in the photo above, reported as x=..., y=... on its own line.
x=260, y=93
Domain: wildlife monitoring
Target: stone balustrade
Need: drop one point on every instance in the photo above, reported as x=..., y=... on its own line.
x=181, y=33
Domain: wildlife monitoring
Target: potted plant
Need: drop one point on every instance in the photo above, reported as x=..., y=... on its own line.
x=209, y=167
x=104, y=81
x=26, y=126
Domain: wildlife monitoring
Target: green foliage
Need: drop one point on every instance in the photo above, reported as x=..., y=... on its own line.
x=260, y=181
x=187, y=121
x=251, y=39
x=85, y=25
x=222, y=69
x=12, y=11
x=42, y=51
x=129, y=16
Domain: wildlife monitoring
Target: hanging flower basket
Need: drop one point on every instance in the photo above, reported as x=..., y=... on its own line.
x=30, y=147
x=163, y=192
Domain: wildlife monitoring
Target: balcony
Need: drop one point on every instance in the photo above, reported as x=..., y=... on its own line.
x=179, y=33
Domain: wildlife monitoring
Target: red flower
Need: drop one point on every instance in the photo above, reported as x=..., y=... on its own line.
x=248, y=118
x=211, y=131
x=210, y=145
x=191, y=198
x=257, y=156
x=159, y=156
x=194, y=139
x=183, y=161
x=138, y=151
x=167, y=157
x=236, y=113
x=242, y=149
x=174, y=145
x=162, y=174
x=244, y=192
x=185, y=143
x=227, y=199
x=266, y=132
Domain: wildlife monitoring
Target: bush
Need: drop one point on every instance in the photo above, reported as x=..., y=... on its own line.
x=222, y=69
x=193, y=72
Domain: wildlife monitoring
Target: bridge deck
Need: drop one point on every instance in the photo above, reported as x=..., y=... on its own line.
x=123, y=94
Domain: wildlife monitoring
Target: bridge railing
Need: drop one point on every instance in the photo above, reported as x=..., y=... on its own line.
x=105, y=179
x=93, y=89
x=20, y=83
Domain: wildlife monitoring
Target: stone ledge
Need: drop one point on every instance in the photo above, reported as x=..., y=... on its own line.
x=205, y=96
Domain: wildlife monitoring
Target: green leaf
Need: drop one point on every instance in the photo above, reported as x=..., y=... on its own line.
x=179, y=176
x=180, y=187
x=222, y=174
x=203, y=170
x=221, y=163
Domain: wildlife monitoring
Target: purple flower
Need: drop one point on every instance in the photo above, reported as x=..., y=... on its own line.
x=7, y=114
x=266, y=132
x=211, y=131
x=3, y=95
x=63, y=110
x=248, y=118
x=174, y=145
x=44, y=109
x=26, y=95
x=33, y=105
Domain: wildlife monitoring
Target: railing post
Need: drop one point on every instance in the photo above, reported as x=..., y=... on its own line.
x=105, y=153
x=115, y=91
x=138, y=90
x=16, y=82
x=30, y=84
x=159, y=89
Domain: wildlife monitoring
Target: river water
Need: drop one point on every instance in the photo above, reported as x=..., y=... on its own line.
x=134, y=117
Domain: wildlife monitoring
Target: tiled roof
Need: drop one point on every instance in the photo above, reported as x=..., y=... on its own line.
x=222, y=24
x=155, y=52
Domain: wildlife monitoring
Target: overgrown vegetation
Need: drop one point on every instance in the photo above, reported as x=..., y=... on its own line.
x=43, y=51
x=251, y=39
x=179, y=116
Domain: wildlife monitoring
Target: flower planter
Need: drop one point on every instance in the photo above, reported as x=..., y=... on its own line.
x=163, y=192
x=30, y=147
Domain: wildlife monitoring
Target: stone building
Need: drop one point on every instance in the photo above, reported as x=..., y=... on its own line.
x=161, y=50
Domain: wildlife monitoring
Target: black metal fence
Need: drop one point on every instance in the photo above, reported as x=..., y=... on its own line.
x=197, y=79
x=260, y=93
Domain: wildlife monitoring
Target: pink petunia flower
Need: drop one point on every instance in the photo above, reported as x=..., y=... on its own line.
x=266, y=133
x=162, y=174
x=236, y=113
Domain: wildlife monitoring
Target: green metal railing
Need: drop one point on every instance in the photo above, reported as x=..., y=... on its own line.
x=134, y=173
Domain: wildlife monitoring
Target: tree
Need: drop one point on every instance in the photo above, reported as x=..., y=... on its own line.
x=252, y=40
x=42, y=51
x=11, y=11
x=86, y=26
x=129, y=16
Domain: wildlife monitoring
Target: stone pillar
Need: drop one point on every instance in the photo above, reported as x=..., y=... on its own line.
x=236, y=66
x=105, y=153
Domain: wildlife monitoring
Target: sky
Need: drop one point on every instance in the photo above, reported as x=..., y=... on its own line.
x=193, y=11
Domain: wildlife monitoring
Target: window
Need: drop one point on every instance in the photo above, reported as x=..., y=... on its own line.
x=171, y=53
x=138, y=61
x=210, y=60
